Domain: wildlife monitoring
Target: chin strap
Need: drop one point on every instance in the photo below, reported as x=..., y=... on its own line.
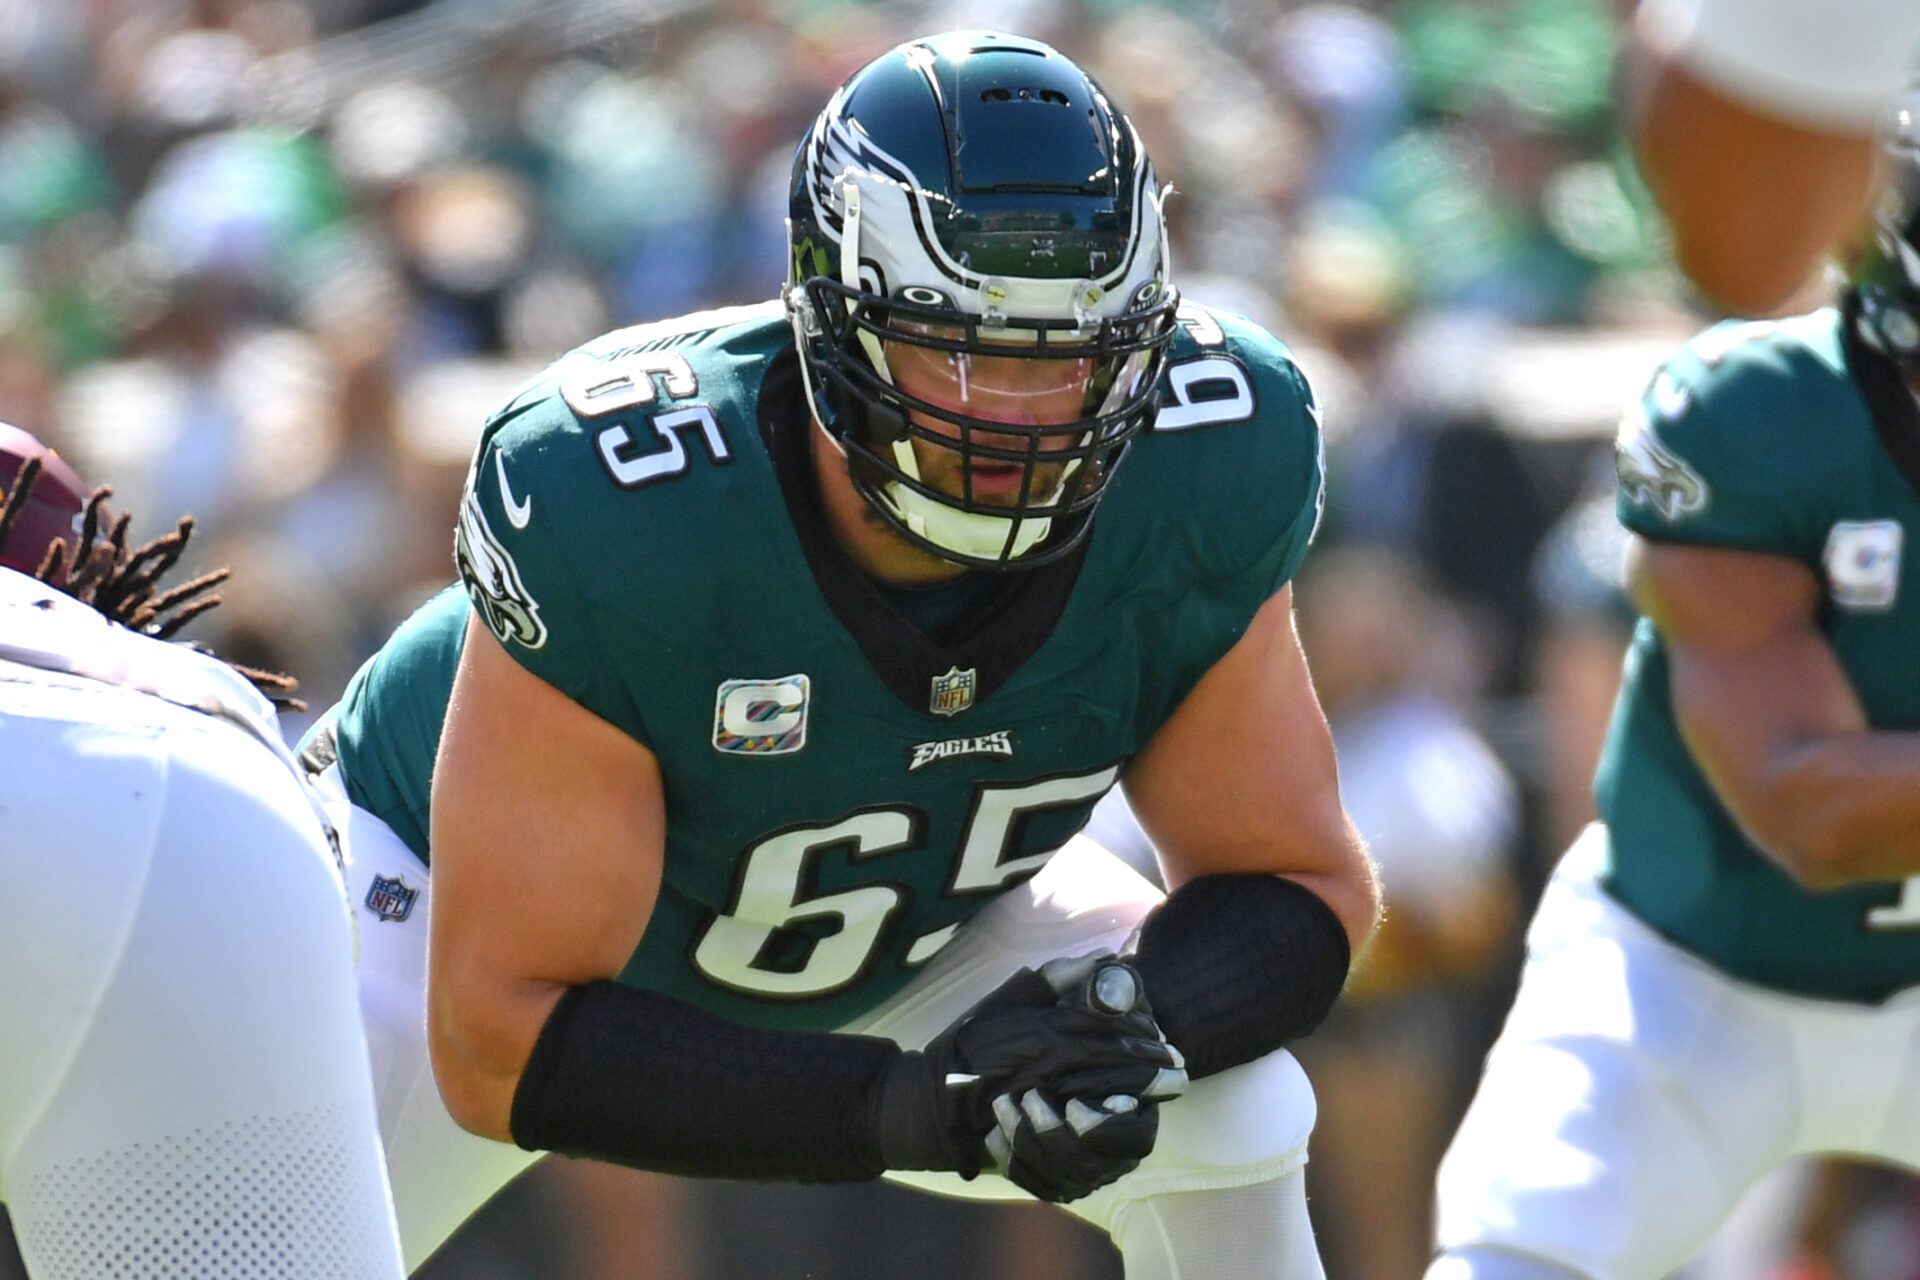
x=967, y=533
x=849, y=190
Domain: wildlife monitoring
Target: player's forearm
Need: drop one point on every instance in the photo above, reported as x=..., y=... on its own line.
x=1240, y=964
x=1349, y=885
x=642, y=1079
x=479, y=1041
x=1841, y=810
x=1320, y=850
x=634, y=1078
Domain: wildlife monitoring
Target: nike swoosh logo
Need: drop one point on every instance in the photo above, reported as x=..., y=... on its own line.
x=518, y=513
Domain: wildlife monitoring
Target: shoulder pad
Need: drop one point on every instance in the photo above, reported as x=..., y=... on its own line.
x=641, y=405
x=1235, y=451
x=603, y=482
x=1721, y=446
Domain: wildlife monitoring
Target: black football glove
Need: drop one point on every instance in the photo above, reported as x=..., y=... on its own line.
x=934, y=1108
x=1061, y=1154
x=1108, y=1122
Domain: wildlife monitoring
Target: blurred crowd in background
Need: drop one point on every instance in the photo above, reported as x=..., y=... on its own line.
x=272, y=263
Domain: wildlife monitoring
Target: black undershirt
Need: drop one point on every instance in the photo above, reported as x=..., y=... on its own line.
x=946, y=610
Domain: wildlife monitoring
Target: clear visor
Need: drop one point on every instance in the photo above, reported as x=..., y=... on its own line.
x=1016, y=388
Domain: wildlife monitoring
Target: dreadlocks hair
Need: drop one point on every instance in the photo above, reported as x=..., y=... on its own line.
x=100, y=571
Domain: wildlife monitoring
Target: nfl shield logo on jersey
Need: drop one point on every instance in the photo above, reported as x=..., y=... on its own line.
x=391, y=898
x=953, y=692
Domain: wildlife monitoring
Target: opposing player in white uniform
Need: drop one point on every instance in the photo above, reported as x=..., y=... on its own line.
x=184, y=1089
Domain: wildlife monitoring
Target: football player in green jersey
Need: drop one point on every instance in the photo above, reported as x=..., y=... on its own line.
x=1725, y=972
x=790, y=659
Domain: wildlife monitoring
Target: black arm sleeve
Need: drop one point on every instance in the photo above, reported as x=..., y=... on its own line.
x=1239, y=965
x=640, y=1079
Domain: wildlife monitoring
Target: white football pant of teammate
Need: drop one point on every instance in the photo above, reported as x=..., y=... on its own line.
x=1636, y=1094
x=184, y=1090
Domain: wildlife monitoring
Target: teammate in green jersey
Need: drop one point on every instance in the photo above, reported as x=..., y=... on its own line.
x=1725, y=973
x=792, y=655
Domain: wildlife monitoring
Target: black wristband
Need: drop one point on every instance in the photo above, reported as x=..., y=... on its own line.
x=1239, y=965
x=641, y=1079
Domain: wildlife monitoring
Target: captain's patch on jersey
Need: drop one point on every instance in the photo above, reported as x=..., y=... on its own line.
x=953, y=692
x=391, y=898
x=997, y=743
x=1652, y=475
x=1862, y=560
x=493, y=579
x=761, y=717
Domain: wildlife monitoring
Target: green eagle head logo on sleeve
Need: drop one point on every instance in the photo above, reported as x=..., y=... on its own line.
x=1651, y=474
x=493, y=579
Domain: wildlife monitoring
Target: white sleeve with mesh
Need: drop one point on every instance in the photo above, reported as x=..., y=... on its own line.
x=184, y=1088
x=1834, y=64
x=278, y=1194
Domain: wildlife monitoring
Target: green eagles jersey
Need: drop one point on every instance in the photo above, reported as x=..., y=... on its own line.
x=1789, y=438
x=641, y=529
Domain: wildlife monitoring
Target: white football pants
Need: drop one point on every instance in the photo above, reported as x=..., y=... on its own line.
x=1222, y=1195
x=183, y=1081
x=1636, y=1093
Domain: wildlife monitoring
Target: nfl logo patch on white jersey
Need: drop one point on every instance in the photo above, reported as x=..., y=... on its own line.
x=391, y=898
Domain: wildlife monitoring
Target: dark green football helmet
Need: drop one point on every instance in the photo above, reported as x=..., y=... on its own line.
x=979, y=291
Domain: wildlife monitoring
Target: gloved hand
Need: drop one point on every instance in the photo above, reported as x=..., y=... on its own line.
x=1084, y=1129
x=1049, y=1033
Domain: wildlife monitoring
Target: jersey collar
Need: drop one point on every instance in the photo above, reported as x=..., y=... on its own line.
x=1013, y=623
